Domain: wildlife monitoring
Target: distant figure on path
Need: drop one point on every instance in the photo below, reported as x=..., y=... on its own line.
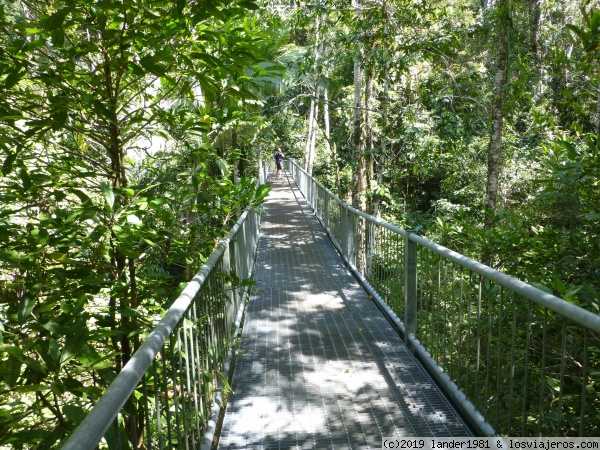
x=278, y=158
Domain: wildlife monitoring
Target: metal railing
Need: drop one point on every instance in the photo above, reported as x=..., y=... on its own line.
x=168, y=394
x=515, y=359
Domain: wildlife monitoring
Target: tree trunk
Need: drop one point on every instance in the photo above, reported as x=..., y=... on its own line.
x=331, y=150
x=309, y=150
x=497, y=115
x=497, y=112
x=534, y=26
x=242, y=167
x=534, y=37
x=598, y=113
x=311, y=138
x=358, y=156
x=369, y=145
x=235, y=177
x=326, y=122
x=380, y=160
x=338, y=177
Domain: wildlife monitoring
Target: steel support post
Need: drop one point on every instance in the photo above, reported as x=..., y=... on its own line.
x=230, y=307
x=410, y=285
x=349, y=219
x=326, y=212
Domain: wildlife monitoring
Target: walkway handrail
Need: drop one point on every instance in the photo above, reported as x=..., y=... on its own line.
x=578, y=315
x=518, y=360
x=179, y=363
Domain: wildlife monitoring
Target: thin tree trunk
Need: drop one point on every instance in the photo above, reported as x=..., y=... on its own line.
x=534, y=37
x=242, y=163
x=308, y=149
x=380, y=160
x=358, y=150
x=598, y=112
x=313, y=139
x=313, y=143
x=369, y=146
x=499, y=94
x=331, y=150
x=235, y=175
x=534, y=25
x=369, y=142
x=497, y=113
x=338, y=178
x=327, y=127
x=314, y=103
x=358, y=157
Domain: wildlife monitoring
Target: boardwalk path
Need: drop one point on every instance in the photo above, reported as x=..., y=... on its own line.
x=319, y=366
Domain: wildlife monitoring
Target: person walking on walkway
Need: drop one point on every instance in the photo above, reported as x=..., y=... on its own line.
x=278, y=161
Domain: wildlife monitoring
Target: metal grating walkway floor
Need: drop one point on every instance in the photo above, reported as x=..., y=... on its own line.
x=319, y=366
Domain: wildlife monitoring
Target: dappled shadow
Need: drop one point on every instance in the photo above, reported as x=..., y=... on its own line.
x=319, y=366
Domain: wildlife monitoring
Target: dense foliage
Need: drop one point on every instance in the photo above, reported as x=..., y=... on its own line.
x=130, y=130
x=125, y=156
x=429, y=96
x=476, y=122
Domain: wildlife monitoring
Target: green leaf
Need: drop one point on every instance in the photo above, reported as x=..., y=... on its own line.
x=104, y=364
x=149, y=242
x=58, y=37
x=25, y=308
x=108, y=193
x=579, y=32
x=8, y=163
x=542, y=287
x=153, y=65
x=83, y=197
x=73, y=385
x=54, y=350
x=40, y=235
x=10, y=371
x=12, y=350
x=14, y=77
x=32, y=388
x=74, y=413
x=262, y=191
x=60, y=257
x=571, y=151
x=56, y=20
x=592, y=216
x=249, y=5
x=156, y=203
x=53, y=327
x=76, y=342
x=26, y=437
x=25, y=179
x=558, y=284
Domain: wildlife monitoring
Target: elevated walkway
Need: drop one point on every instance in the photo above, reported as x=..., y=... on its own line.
x=319, y=366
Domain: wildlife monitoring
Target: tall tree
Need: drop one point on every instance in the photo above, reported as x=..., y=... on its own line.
x=502, y=10
x=358, y=141
x=102, y=106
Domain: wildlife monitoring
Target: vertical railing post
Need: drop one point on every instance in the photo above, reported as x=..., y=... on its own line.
x=410, y=285
x=230, y=307
x=343, y=233
x=326, y=210
x=350, y=236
